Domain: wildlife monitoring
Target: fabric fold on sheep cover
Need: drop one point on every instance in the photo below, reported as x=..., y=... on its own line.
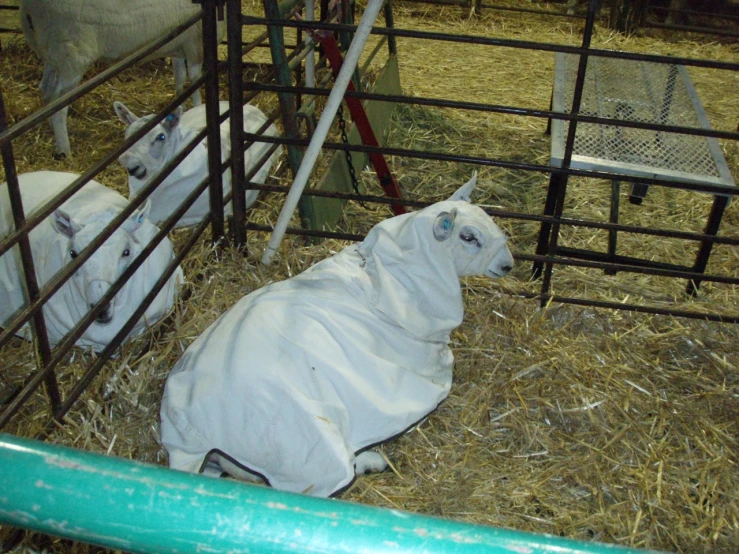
x=299, y=376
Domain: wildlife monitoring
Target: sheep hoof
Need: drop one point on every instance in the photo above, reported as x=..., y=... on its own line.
x=58, y=156
x=369, y=462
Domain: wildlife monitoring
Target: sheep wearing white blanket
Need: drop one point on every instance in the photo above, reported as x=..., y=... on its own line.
x=298, y=379
x=61, y=237
x=154, y=150
x=70, y=35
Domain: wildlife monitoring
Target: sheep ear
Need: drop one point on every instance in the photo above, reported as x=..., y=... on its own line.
x=173, y=119
x=465, y=191
x=124, y=114
x=443, y=225
x=137, y=218
x=64, y=224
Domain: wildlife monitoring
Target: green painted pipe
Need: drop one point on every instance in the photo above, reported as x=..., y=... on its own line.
x=139, y=507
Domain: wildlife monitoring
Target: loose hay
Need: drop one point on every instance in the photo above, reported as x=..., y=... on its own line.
x=585, y=423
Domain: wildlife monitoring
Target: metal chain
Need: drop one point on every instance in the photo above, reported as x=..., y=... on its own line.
x=347, y=153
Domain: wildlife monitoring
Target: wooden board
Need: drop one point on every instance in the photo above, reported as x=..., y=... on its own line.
x=324, y=213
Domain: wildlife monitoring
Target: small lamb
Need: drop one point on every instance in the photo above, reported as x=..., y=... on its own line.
x=150, y=154
x=59, y=238
x=71, y=35
x=299, y=379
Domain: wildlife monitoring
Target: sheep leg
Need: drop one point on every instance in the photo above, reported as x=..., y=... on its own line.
x=182, y=68
x=369, y=462
x=54, y=84
x=194, y=70
x=180, y=74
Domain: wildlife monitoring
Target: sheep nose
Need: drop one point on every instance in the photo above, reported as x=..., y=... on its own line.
x=506, y=268
x=137, y=171
x=104, y=317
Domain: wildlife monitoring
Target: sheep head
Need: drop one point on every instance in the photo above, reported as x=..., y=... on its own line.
x=145, y=158
x=95, y=277
x=476, y=244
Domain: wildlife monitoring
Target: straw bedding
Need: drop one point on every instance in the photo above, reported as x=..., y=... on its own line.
x=585, y=423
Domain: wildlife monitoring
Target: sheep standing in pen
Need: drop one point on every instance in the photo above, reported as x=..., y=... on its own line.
x=299, y=379
x=59, y=238
x=150, y=154
x=70, y=35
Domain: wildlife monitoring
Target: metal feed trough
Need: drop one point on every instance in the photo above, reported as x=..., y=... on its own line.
x=648, y=93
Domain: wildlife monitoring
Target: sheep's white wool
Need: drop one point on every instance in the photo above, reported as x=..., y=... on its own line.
x=70, y=35
x=83, y=216
x=298, y=377
x=146, y=158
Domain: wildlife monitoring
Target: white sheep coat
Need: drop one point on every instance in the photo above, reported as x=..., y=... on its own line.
x=194, y=168
x=299, y=376
x=94, y=202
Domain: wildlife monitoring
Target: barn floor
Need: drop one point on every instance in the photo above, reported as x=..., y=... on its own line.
x=590, y=424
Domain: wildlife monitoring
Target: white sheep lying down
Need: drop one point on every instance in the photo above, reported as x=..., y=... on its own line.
x=298, y=379
x=70, y=35
x=60, y=237
x=160, y=145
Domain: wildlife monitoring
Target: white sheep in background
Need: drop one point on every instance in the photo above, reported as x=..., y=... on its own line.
x=298, y=379
x=70, y=35
x=153, y=151
x=59, y=238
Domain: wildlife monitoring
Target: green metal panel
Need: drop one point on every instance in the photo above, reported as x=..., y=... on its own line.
x=139, y=507
x=326, y=212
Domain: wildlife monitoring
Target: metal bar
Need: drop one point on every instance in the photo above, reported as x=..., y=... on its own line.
x=692, y=29
x=149, y=508
x=474, y=160
x=546, y=299
x=390, y=23
x=489, y=41
x=553, y=236
x=503, y=214
x=595, y=260
x=27, y=261
x=210, y=64
x=511, y=110
x=235, y=95
x=613, y=218
x=618, y=261
x=701, y=261
x=466, y=4
x=287, y=101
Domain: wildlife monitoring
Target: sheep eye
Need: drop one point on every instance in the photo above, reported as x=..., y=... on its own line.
x=161, y=137
x=126, y=253
x=73, y=254
x=470, y=239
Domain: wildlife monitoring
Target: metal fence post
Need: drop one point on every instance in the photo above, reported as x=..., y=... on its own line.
x=236, y=101
x=29, y=270
x=210, y=66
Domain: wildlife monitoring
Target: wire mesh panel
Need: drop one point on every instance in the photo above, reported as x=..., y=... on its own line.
x=639, y=91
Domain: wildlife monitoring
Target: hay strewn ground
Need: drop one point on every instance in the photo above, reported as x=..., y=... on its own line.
x=578, y=422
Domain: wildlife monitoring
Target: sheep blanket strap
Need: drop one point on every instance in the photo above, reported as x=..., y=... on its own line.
x=298, y=377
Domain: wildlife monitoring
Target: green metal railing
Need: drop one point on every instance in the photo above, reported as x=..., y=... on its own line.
x=140, y=507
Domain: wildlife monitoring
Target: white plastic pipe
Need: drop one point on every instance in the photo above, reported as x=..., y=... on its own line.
x=310, y=61
x=324, y=123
